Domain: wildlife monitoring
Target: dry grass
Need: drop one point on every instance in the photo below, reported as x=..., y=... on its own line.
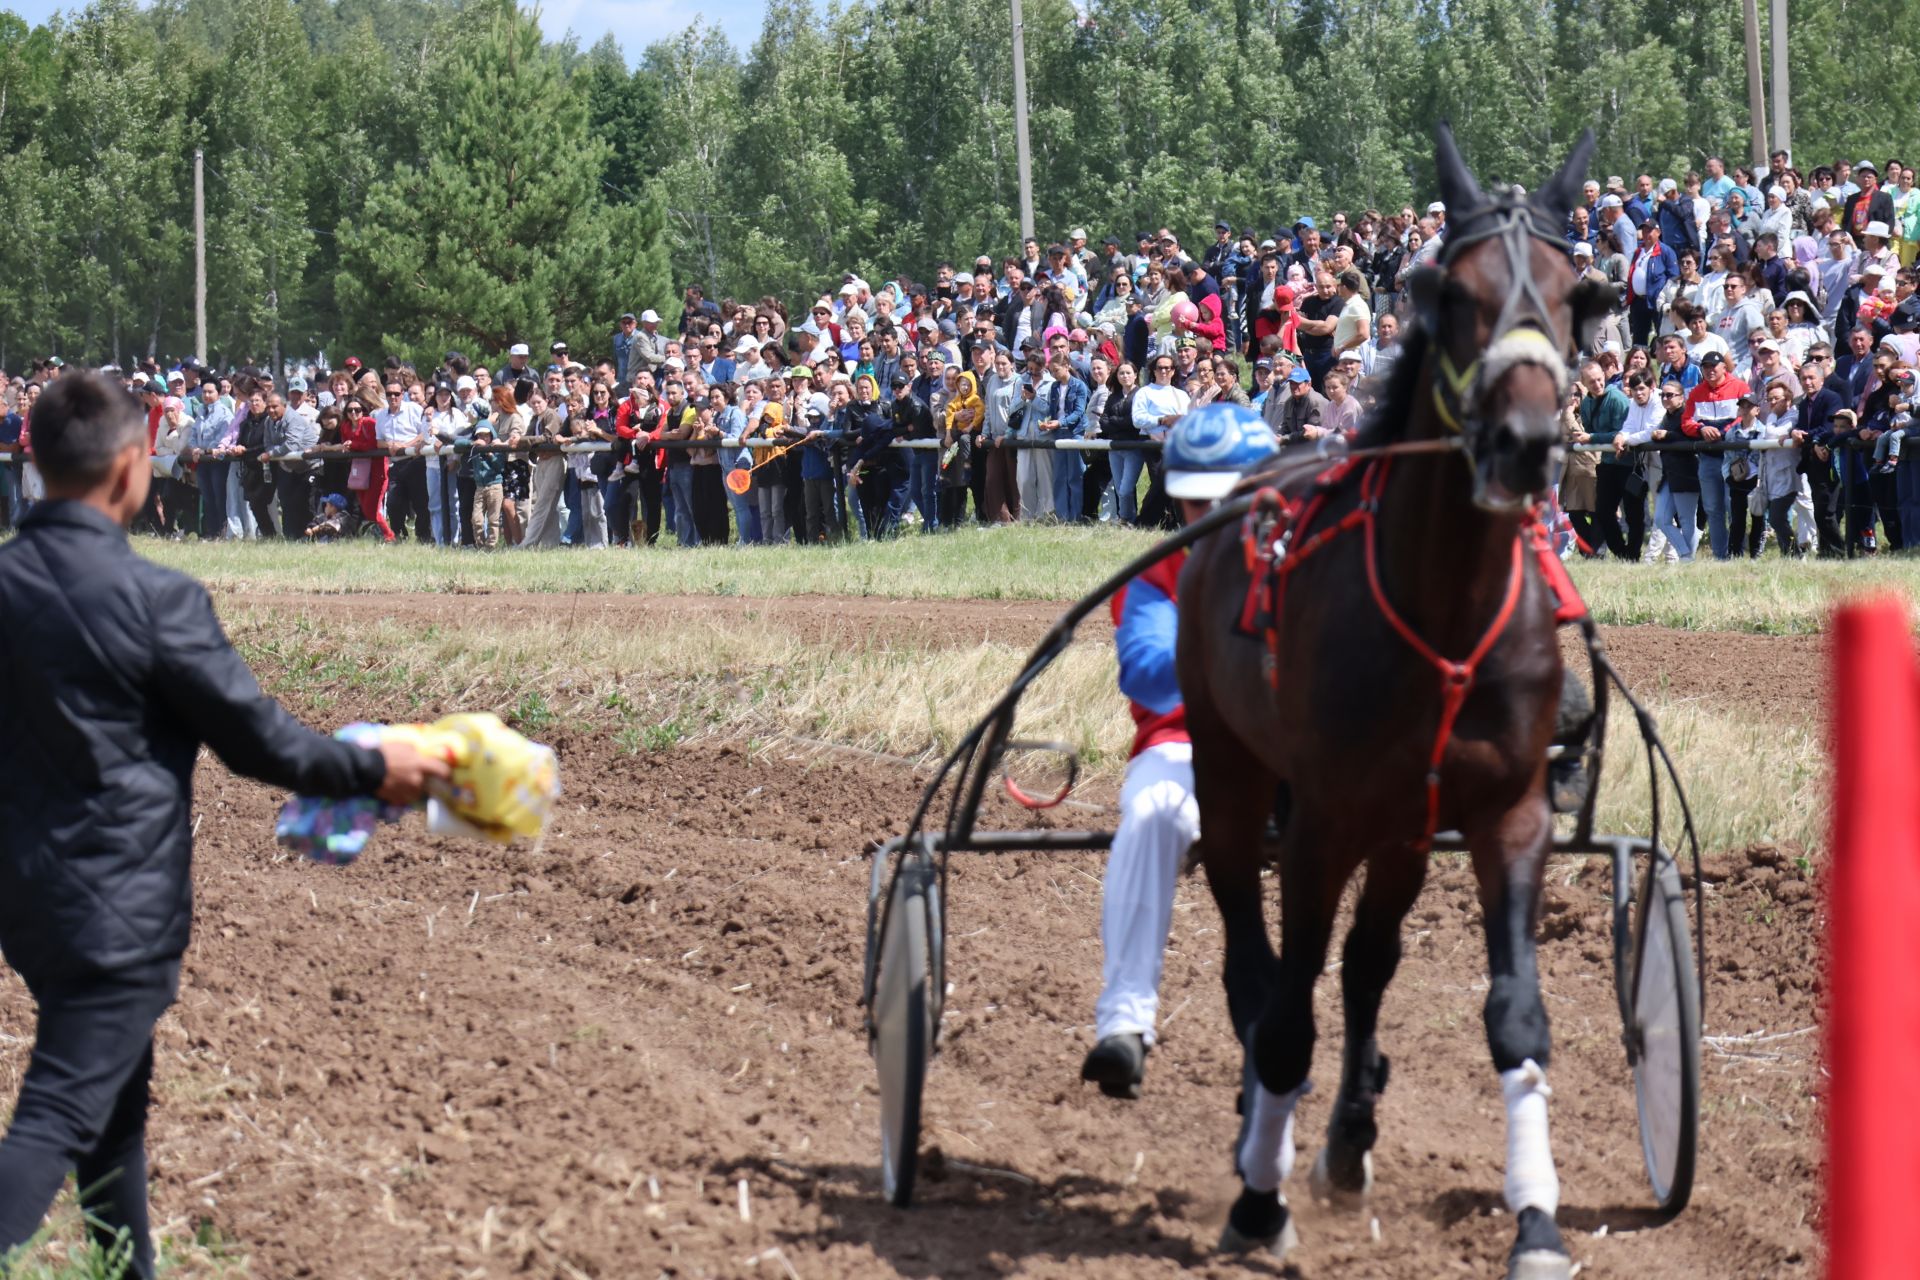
x=1749, y=780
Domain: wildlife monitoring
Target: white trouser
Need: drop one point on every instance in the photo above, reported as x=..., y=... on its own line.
x=1804, y=530
x=1159, y=821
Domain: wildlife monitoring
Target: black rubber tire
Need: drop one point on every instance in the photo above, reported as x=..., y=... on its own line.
x=1666, y=1037
x=903, y=1031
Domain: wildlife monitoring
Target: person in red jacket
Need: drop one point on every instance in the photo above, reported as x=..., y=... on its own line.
x=358, y=434
x=1206, y=454
x=1712, y=409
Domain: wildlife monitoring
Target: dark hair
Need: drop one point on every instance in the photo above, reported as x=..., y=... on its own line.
x=80, y=424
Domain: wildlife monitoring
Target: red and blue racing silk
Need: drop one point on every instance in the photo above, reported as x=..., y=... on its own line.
x=1146, y=625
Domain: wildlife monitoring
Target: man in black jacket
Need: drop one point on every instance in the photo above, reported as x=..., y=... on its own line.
x=113, y=673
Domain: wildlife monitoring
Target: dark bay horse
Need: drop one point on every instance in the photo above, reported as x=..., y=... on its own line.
x=1405, y=681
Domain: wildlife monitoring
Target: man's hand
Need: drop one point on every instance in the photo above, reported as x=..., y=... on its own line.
x=1709, y=433
x=408, y=769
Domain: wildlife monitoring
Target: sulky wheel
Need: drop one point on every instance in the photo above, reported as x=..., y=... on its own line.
x=903, y=1026
x=1663, y=1036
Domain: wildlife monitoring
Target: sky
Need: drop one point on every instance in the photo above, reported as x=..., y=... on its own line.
x=634, y=23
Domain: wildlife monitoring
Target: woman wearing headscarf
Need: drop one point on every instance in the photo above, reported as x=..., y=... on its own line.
x=966, y=414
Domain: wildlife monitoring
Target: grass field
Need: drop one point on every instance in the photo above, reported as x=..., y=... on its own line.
x=1770, y=596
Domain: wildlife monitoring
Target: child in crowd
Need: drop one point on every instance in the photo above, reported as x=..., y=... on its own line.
x=1886, y=450
x=489, y=486
x=332, y=523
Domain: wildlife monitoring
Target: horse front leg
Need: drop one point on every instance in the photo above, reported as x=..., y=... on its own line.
x=1509, y=859
x=1343, y=1173
x=1280, y=1044
x=1233, y=823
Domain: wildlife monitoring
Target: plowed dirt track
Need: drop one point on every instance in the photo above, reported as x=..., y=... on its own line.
x=451, y=1061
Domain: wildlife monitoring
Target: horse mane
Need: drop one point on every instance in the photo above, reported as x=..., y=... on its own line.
x=1389, y=419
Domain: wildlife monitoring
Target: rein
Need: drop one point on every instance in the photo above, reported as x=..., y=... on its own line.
x=1274, y=522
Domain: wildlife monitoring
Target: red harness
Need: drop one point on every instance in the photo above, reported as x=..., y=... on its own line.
x=1275, y=522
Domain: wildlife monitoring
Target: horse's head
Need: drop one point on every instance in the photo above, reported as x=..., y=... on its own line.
x=1505, y=316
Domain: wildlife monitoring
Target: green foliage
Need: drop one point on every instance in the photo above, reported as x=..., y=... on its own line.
x=411, y=175
x=498, y=234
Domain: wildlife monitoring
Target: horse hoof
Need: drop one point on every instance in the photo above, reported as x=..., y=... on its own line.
x=1275, y=1246
x=1540, y=1264
x=1347, y=1199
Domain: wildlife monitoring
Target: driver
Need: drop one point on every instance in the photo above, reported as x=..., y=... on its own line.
x=1206, y=454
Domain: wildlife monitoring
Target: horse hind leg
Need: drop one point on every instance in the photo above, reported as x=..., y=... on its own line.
x=1508, y=862
x=1279, y=1052
x=1343, y=1172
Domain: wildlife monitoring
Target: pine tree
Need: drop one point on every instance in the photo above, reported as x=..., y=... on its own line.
x=500, y=234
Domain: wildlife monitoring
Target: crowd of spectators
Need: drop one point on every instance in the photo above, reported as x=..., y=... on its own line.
x=1777, y=309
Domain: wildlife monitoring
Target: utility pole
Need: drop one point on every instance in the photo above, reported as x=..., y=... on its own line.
x=1023, y=155
x=1782, y=112
x=199, y=255
x=1756, y=92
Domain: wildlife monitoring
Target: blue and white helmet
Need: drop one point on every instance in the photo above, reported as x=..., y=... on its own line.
x=1211, y=447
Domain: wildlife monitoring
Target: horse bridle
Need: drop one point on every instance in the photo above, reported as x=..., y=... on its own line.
x=1522, y=334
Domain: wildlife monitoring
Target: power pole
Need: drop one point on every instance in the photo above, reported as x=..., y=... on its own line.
x=1782, y=112
x=1023, y=155
x=199, y=255
x=1756, y=92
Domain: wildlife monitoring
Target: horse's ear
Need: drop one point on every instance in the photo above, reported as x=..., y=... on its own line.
x=1458, y=190
x=1423, y=288
x=1592, y=302
x=1562, y=191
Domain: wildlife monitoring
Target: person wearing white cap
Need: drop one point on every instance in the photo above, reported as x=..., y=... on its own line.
x=1875, y=249
x=649, y=349
x=516, y=366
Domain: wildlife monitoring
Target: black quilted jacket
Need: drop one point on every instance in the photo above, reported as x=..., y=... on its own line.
x=113, y=673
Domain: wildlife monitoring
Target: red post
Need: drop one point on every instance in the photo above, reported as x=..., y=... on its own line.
x=1873, y=944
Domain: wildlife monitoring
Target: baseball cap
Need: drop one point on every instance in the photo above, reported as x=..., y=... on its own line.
x=1766, y=344
x=296, y=384
x=801, y=371
x=675, y=362
x=1223, y=226
x=1112, y=240
x=650, y=316
x=1616, y=183
x=1867, y=166
x=1611, y=201
x=1346, y=357
x=1078, y=335
x=1581, y=249
x=519, y=349
x=1299, y=374
x=1711, y=360
x=558, y=348
x=900, y=380
x=628, y=315
x=1667, y=185
x=1268, y=244
x=1078, y=233
x=1438, y=206
x=353, y=362
x=176, y=376
x=1263, y=363
x=465, y=383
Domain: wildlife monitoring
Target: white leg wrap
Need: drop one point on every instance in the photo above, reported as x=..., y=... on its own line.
x=1531, y=1180
x=1266, y=1152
